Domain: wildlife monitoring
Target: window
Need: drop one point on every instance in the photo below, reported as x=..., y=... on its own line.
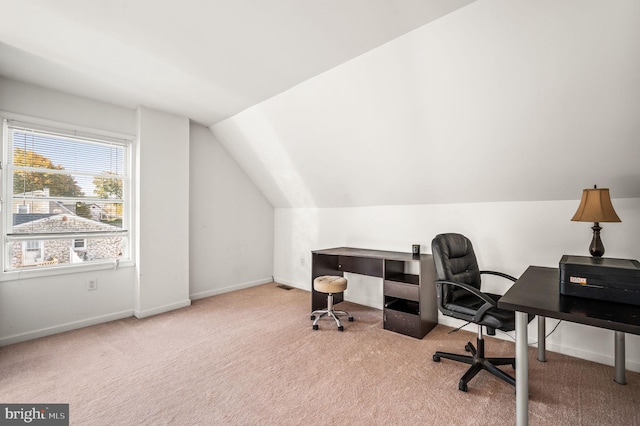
x=31, y=252
x=79, y=244
x=65, y=197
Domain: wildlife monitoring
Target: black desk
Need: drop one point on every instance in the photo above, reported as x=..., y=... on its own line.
x=537, y=292
x=409, y=293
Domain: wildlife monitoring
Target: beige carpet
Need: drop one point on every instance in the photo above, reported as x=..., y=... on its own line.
x=251, y=358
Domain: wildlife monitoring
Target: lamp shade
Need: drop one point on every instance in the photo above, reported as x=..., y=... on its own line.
x=596, y=206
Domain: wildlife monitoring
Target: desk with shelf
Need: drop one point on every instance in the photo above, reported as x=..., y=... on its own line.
x=409, y=293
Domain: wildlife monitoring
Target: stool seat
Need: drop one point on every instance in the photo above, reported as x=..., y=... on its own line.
x=330, y=284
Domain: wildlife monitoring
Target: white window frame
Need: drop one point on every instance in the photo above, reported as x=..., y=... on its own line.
x=6, y=199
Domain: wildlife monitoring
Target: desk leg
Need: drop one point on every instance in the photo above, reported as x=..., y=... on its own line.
x=619, y=358
x=542, y=340
x=522, y=370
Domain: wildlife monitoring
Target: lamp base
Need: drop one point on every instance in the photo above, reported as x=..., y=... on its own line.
x=596, y=248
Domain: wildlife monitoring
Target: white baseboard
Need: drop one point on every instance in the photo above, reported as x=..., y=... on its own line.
x=600, y=358
x=290, y=283
x=23, y=337
x=161, y=309
x=213, y=292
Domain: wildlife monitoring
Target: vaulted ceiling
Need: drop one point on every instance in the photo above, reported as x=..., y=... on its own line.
x=202, y=59
x=498, y=101
x=338, y=103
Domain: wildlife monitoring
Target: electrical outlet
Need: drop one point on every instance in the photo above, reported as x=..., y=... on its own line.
x=93, y=284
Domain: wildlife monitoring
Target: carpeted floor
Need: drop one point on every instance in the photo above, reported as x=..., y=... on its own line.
x=251, y=358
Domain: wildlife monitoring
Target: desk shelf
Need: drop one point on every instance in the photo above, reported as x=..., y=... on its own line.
x=403, y=278
x=408, y=291
x=401, y=305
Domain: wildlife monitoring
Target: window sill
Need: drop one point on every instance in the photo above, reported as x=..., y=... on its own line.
x=62, y=270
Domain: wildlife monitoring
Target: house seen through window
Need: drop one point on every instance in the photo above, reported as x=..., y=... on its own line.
x=65, y=197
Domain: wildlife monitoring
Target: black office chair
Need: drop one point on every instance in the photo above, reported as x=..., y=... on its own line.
x=459, y=296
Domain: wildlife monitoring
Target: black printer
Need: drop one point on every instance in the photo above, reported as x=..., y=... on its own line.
x=602, y=278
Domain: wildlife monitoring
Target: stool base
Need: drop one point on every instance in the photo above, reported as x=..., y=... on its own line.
x=330, y=313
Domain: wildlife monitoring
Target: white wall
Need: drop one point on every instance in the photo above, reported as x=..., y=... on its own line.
x=507, y=237
x=231, y=222
x=162, y=208
x=48, y=104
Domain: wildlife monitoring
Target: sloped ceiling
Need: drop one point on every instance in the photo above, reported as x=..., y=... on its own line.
x=339, y=103
x=498, y=101
x=202, y=59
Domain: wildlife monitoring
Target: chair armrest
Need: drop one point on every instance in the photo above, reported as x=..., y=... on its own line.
x=488, y=301
x=470, y=289
x=500, y=274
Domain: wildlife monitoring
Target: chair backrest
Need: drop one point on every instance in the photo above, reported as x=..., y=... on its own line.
x=455, y=260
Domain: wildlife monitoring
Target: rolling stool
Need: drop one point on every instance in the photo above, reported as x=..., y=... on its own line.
x=329, y=284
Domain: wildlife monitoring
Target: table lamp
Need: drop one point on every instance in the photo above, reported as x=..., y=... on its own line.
x=596, y=207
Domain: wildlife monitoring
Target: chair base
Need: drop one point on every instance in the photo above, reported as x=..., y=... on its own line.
x=329, y=313
x=478, y=362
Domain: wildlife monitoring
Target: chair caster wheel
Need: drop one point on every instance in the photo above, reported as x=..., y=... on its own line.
x=341, y=328
x=436, y=358
x=463, y=386
x=467, y=348
x=313, y=317
x=315, y=327
x=350, y=319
